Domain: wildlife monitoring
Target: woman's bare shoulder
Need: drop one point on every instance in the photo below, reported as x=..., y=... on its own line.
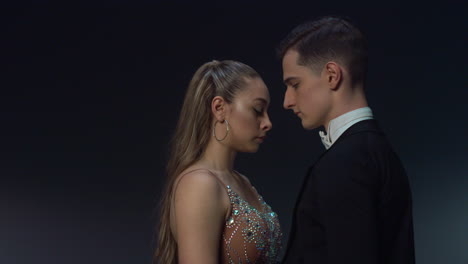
x=197, y=179
x=245, y=178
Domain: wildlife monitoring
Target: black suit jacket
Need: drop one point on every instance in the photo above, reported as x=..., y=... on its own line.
x=354, y=205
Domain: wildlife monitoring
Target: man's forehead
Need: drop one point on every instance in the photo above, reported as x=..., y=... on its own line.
x=290, y=65
x=290, y=56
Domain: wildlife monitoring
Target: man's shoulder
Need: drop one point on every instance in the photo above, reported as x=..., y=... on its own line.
x=358, y=149
x=357, y=143
x=350, y=160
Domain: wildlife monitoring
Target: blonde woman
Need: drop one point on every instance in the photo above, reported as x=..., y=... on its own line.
x=210, y=213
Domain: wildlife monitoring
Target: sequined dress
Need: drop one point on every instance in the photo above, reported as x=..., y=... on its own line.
x=250, y=235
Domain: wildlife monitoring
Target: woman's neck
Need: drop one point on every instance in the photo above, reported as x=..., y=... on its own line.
x=218, y=157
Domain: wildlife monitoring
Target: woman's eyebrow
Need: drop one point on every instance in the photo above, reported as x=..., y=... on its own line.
x=261, y=99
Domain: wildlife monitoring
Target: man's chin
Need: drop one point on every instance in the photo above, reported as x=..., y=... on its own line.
x=309, y=126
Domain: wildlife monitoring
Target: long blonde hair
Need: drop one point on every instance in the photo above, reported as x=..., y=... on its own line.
x=215, y=78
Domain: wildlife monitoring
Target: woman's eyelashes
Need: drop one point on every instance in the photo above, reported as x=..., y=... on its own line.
x=295, y=86
x=258, y=111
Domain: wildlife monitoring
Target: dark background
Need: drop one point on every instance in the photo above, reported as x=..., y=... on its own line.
x=90, y=94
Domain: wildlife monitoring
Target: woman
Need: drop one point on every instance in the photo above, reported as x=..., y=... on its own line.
x=210, y=213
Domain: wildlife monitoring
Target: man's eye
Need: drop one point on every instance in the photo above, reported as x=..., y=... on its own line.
x=258, y=111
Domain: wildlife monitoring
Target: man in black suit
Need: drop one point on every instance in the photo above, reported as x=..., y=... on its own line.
x=355, y=202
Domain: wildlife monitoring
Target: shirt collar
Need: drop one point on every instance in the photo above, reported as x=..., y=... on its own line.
x=339, y=125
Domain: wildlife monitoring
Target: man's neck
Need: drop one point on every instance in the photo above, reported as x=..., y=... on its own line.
x=344, y=104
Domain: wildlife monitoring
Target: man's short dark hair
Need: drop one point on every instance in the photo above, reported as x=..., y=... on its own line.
x=327, y=39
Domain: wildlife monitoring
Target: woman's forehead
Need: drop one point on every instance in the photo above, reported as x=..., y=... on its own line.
x=255, y=90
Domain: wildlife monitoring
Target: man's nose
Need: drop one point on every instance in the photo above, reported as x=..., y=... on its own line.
x=289, y=100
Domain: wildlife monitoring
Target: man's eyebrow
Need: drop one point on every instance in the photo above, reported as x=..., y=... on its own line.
x=289, y=79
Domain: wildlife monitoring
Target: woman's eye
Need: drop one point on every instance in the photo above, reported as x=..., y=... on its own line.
x=295, y=85
x=258, y=111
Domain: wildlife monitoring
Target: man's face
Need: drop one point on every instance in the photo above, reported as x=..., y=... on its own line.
x=307, y=92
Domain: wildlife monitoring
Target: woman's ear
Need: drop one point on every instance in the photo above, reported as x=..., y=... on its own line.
x=333, y=73
x=219, y=108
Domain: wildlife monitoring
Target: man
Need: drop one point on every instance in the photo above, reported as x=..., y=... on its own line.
x=355, y=202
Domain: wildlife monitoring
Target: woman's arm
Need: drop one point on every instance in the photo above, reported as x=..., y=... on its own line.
x=200, y=209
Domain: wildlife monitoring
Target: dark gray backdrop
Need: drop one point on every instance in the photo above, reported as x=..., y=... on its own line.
x=91, y=93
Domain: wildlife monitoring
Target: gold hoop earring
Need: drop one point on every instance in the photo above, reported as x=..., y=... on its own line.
x=227, y=130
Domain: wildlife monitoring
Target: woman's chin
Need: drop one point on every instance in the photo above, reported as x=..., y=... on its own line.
x=254, y=148
x=250, y=149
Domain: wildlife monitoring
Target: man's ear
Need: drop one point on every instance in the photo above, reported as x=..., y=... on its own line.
x=219, y=108
x=333, y=74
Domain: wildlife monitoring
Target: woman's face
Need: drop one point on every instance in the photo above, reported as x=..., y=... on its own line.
x=248, y=118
